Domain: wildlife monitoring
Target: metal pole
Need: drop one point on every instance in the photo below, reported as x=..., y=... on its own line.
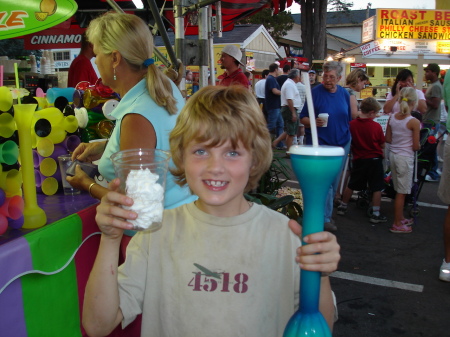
x=219, y=18
x=162, y=30
x=199, y=5
x=179, y=38
x=212, y=64
x=203, y=41
x=115, y=6
x=161, y=57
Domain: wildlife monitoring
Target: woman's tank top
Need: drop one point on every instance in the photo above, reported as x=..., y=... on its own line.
x=402, y=137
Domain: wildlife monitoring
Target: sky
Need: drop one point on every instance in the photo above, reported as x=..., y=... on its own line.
x=362, y=4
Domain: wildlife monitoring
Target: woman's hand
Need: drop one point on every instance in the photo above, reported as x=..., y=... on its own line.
x=111, y=218
x=321, y=253
x=89, y=151
x=80, y=180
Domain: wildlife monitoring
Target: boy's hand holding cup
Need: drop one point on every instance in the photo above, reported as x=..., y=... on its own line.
x=324, y=118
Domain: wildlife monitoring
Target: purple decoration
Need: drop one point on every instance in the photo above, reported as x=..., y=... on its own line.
x=71, y=142
x=12, y=317
x=39, y=178
x=60, y=149
x=57, y=174
x=16, y=224
x=36, y=158
x=2, y=196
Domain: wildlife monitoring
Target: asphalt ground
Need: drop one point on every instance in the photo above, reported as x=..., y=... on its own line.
x=387, y=284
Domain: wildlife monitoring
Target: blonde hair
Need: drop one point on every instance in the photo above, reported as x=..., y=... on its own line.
x=352, y=78
x=216, y=114
x=407, y=100
x=131, y=37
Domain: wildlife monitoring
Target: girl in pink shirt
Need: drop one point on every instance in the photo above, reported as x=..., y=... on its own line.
x=403, y=133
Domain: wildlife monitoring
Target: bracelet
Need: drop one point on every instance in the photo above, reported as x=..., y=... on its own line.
x=90, y=187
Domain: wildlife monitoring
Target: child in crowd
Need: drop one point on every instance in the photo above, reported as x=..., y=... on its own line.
x=367, y=151
x=220, y=265
x=403, y=133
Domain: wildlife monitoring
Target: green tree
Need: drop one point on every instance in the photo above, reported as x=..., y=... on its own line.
x=277, y=25
x=313, y=14
x=339, y=5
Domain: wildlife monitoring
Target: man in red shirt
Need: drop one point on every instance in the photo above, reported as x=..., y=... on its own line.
x=81, y=68
x=230, y=60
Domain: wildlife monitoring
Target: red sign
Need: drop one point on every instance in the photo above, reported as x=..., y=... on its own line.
x=54, y=39
x=357, y=65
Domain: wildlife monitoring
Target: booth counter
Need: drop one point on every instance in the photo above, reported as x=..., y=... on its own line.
x=55, y=263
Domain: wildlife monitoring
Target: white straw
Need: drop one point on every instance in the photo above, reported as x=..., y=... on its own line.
x=312, y=115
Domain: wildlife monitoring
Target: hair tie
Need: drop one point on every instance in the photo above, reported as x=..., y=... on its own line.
x=148, y=62
x=404, y=99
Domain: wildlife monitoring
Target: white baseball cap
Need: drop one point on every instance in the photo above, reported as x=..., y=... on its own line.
x=234, y=52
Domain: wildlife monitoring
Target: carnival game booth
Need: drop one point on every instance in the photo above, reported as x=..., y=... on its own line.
x=47, y=239
x=48, y=235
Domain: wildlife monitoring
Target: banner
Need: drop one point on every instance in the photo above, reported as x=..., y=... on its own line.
x=54, y=39
x=419, y=24
x=370, y=48
x=19, y=18
x=367, y=30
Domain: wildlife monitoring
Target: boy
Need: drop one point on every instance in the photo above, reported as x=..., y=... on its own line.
x=218, y=266
x=367, y=151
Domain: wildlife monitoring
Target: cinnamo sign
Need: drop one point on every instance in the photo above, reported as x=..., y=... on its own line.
x=54, y=39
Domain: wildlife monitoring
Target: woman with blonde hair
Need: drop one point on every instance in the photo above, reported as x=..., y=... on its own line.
x=355, y=81
x=149, y=105
x=403, y=133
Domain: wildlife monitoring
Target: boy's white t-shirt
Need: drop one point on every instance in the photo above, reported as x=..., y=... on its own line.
x=201, y=275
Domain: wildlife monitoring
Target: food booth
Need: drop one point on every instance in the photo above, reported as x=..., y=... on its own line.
x=400, y=38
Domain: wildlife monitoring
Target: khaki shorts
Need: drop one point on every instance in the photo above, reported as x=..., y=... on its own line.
x=402, y=168
x=444, y=184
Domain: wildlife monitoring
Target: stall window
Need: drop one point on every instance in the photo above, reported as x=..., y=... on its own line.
x=391, y=71
x=61, y=55
x=371, y=71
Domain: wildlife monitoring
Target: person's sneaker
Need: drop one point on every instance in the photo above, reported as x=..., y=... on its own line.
x=402, y=229
x=329, y=227
x=430, y=178
x=341, y=210
x=440, y=159
x=444, y=273
x=439, y=171
x=377, y=218
x=336, y=202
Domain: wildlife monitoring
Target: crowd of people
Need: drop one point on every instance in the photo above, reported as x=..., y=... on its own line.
x=221, y=144
x=351, y=125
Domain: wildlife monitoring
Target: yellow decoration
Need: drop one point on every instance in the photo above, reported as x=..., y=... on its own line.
x=48, y=6
x=34, y=216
